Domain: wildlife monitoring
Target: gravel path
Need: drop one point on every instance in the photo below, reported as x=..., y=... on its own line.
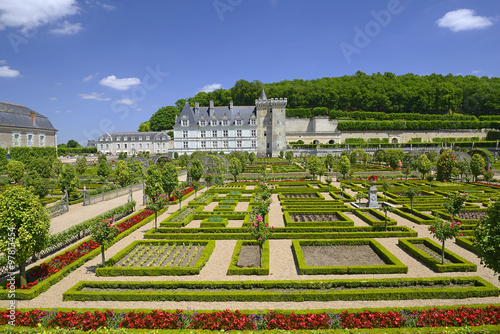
x=282, y=267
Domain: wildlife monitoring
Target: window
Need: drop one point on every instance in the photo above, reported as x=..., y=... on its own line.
x=203, y=123
x=214, y=123
x=132, y=146
x=140, y=138
x=30, y=140
x=202, y=133
x=238, y=133
x=140, y=145
x=157, y=144
x=117, y=145
x=132, y=138
x=184, y=122
x=107, y=145
x=164, y=144
x=214, y=133
x=17, y=139
x=265, y=133
x=225, y=133
x=125, y=138
x=214, y=144
x=157, y=151
x=101, y=146
x=254, y=133
x=147, y=137
x=225, y=122
x=147, y=145
x=42, y=140
x=267, y=145
x=238, y=144
x=184, y=134
x=238, y=122
x=252, y=122
x=124, y=145
x=185, y=144
x=254, y=143
x=226, y=144
x=203, y=144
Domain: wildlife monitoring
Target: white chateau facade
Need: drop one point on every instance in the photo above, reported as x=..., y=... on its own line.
x=259, y=129
x=132, y=143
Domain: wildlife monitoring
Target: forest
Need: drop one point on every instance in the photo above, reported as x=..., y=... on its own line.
x=380, y=93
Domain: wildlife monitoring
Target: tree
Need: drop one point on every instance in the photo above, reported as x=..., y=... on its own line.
x=344, y=166
x=342, y=188
x=313, y=165
x=251, y=157
x=104, y=233
x=68, y=178
x=411, y=192
x=385, y=186
x=430, y=178
x=195, y=170
x=144, y=127
x=24, y=226
x=385, y=207
x=235, y=167
x=122, y=173
x=424, y=165
x=136, y=171
x=329, y=181
x=477, y=165
x=329, y=161
x=360, y=195
x=42, y=166
x=445, y=164
x=164, y=118
x=379, y=155
x=289, y=156
x=394, y=158
x=487, y=233
x=488, y=175
x=36, y=184
x=455, y=203
x=154, y=189
x=103, y=168
x=178, y=194
x=72, y=143
x=169, y=178
x=183, y=160
x=57, y=167
x=81, y=165
x=443, y=231
x=15, y=170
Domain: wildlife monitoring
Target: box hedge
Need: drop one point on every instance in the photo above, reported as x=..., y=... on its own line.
x=234, y=269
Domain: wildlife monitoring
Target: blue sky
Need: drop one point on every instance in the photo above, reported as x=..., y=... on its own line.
x=96, y=66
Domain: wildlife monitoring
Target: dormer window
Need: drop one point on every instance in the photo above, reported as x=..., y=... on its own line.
x=238, y=122
x=213, y=123
x=203, y=123
x=185, y=122
x=118, y=138
x=253, y=122
x=225, y=123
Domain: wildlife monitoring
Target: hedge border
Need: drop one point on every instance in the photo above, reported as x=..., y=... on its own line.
x=233, y=265
x=345, y=221
x=404, y=212
x=393, y=264
x=359, y=213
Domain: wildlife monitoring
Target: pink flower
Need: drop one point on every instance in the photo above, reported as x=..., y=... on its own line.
x=258, y=218
x=458, y=223
x=260, y=238
x=272, y=227
x=461, y=234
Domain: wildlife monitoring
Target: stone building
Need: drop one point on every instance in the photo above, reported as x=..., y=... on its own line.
x=21, y=126
x=260, y=129
x=114, y=143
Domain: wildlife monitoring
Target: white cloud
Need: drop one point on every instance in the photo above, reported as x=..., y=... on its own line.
x=210, y=88
x=119, y=84
x=94, y=96
x=31, y=14
x=90, y=77
x=7, y=72
x=108, y=7
x=68, y=111
x=67, y=28
x=53, y=98
x=463, y=19
x=126, y=101
x=57, y=111
x=3, y=62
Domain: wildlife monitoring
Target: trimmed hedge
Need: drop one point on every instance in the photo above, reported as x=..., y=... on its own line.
x=310, y=290
x=467, y=243
x=393, y=265
x=214, y=222
x=458, y=263
x=370, y=221
x=109, y=270
x=343, y=221
x=234, y=269
x=415, y=216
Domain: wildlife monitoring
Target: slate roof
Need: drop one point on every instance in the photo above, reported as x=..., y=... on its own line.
x=18, y=116
x=244, y=113
x=155, y=135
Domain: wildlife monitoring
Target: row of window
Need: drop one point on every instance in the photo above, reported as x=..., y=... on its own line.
x=133, y=145
x=203, y=144
x=30, y=140
x=237, y=122
x=128, y=138
x=225, y=133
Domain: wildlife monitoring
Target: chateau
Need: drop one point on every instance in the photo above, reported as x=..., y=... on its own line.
x=132, y=143
x=260, y=129
x=21, y=126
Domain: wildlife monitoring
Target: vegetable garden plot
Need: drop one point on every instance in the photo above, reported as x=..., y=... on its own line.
x=146, y=257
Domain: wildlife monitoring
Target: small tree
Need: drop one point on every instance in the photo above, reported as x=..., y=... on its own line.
x=454, y=203
x=329, y=181
x=329, y=161
x=488, y=175
x=103, y=168
x=344, y=166
x=477, y=165
x=260, y=231
x=360, y=195
x=208, y=179
x=443, y=231
x=169, y=178
x=15, y=170
x=424, y=165
x=122, y=173
x=156, y=204
x=289, y=156
x=42, y=166
x=251, y=157
x=81, y=165
x=313, y=165
x=195, y=170
x=57, y=167
x=386, y=208
x=34, y=182
x=68, y=179
x=196, y=186
x=385, y=186
x=179, y=193
x=487, y=235
x=282, y=154
x=154, y=189
x=24, y=226
x=103, y=234
x=235, y=167
x=411, y=192
x=430, y=178
x=342, y=188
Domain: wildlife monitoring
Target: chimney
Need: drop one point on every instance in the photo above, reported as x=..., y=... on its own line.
x=211, y=104
x=32, y=115
x=196, y=106
x=231, y=105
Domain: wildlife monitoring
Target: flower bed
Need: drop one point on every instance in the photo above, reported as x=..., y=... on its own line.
x=270, y=320
x=234, y=269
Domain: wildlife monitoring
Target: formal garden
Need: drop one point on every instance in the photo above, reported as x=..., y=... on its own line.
x=290, y=243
